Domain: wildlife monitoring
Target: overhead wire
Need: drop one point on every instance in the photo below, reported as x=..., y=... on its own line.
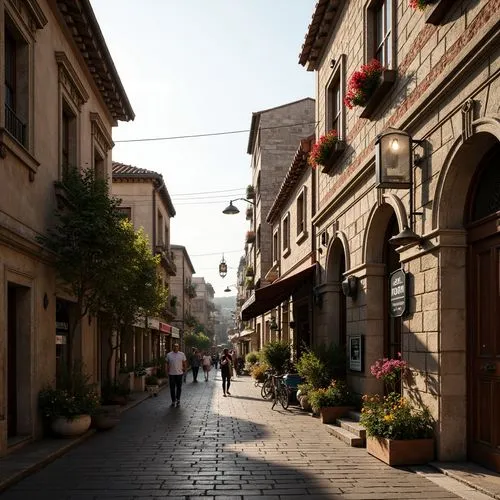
x=210, y=134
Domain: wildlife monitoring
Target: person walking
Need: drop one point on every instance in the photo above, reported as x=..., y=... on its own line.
x=225, y=370
x=195, y=361
x=207, y=365
x=176, y=367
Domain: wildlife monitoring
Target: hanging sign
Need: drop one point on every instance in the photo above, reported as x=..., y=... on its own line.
x=397, y=293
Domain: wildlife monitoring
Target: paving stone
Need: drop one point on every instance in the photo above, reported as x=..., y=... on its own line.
x=217, y=448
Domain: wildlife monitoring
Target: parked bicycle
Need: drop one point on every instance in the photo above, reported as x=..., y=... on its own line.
x=280, y=391
x=267, y=386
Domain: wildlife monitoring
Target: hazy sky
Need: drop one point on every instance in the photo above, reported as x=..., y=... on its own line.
x=195, y=67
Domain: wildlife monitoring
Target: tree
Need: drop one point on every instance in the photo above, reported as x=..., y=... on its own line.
x=136, y=291
x=82, y=240
x=198, y=340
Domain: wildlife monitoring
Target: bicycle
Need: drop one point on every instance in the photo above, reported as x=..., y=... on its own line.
x=267, y=387
x=280, y=392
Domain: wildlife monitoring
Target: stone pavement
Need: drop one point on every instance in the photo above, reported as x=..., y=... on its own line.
x=224, y=448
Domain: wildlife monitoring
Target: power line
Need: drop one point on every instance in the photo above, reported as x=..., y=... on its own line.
x=210, y=134
x=216, y=253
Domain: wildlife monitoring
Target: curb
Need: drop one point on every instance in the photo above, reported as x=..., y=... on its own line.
x=18, y=476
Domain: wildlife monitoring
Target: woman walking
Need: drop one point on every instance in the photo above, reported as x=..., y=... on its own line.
x=207, y=365
x=226, y=371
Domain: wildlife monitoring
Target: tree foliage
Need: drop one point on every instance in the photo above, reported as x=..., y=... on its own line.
x=198, y=340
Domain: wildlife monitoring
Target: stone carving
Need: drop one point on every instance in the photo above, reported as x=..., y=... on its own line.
x=467, y=119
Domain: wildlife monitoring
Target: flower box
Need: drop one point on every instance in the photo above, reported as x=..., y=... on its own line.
x=434, y=14
x=330, y=414
x=250, y=237
x=401, y=452
x=335, y=153
x=387, y=79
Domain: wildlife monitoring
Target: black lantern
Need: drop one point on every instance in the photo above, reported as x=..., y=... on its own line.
x=222, y=268
x=393, y=159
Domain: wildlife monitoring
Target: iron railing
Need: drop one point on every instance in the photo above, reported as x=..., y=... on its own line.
x=14, y=125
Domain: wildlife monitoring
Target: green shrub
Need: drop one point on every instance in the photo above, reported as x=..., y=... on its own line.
x=151, y=380
x=258, y=371
x=333, y=357
x=336, y=394
x=277, y=355
x=252, y=357
x=310, y=367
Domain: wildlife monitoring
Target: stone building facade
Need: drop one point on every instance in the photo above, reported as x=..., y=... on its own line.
x=274, y=135
x=60, y=98
x=441, y=86
x=181, y=287
x=202, y=305
x=145, y=201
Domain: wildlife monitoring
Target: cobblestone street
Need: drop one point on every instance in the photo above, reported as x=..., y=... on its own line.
x=215, y=447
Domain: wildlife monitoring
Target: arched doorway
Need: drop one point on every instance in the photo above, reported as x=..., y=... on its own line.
x=483, y=292
x=392, y=326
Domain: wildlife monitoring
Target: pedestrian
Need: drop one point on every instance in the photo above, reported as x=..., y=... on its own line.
x=207, y=365
x=176, y=367
x=195, y=361
x=225, y=370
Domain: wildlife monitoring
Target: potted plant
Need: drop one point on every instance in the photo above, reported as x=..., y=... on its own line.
x=420, y=4
x=250, y=192
x=332, y=402
x=390, y=371
x=70, y=406
x=249, y=271
x=152, y=385
x=250, y=238
x=114, y=393
x=326, y=150
x=249, y=283
x=139, y=378
x=368, y=86
x=397, y=432
x=105, y=417
x=249, y=213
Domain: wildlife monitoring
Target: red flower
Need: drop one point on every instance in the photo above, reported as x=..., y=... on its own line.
x=420, y=4
x=363, y=83
x=321, y=150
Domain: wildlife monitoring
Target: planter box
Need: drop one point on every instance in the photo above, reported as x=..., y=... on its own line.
x=401, y=452
x=140, y=383
x=335, y=154
x=387, y=80
x=69, y=428
x=434, y=13
x=330, y=414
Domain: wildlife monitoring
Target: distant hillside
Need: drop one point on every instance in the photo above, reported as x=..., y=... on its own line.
x=226, y=302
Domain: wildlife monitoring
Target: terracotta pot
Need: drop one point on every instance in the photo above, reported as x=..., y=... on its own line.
x=401, y=452
x=330, y=414
x=70, y=428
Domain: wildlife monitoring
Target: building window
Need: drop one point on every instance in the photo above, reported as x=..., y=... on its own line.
x=160, y=228
x=276, y=246
x=99, y=165
x=68, y=139
x=16, y=83
x=379, y=32
x=301, y=215
x=286, y=235
x=335, y=92
x=126, y=212
x=257, y=239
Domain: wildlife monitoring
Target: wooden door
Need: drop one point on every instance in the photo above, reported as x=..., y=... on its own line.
x=484, y=352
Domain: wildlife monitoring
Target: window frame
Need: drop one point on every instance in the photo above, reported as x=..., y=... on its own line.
x=285, y=223
x=301, y=219
x=370, y=31
x=337, y=79
x=276, y=246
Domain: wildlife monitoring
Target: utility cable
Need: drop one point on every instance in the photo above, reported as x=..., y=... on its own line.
x=211, y=134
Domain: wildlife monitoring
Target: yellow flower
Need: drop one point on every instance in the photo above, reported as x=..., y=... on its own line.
x=388, y=418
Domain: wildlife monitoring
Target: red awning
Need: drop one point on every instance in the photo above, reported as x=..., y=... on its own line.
x=268, y=297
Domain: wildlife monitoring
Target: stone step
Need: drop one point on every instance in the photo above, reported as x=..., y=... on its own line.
x=344, y=435
x=353, y=427
x=354, y=415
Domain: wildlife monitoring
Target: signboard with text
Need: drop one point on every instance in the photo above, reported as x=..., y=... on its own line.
x=397, y=293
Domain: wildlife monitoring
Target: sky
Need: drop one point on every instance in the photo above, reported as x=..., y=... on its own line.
x=198, y=67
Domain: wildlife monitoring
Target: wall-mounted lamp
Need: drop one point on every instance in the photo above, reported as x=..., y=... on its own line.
x=350, y=286
x=394, y=169
x=45, y=301
x=232, y=209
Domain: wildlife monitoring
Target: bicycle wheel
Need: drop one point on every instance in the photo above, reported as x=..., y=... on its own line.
x=283, y=397
x=267, y=389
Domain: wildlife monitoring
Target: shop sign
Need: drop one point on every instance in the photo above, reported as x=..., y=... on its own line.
x=164, y=328
x=356, y=354
x=397, y=293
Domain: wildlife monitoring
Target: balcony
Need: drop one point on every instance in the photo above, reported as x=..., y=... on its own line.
x=15, y=126
x=167, y=259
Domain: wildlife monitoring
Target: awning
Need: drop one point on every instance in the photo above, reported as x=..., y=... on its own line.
x=266, y=298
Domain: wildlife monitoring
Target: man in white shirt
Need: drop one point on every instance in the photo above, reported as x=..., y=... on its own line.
x=176, y=366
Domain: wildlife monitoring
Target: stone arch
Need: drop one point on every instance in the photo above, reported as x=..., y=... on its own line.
x=458, y=169
x=373, y=238
x=338, y=245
